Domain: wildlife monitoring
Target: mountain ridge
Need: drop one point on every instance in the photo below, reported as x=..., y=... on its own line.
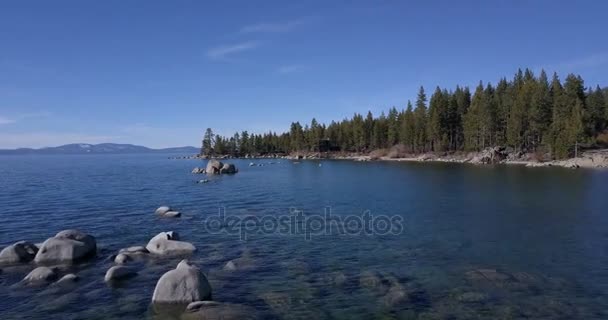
x=101, y=148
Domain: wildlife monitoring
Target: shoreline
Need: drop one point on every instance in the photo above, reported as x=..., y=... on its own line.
x=595, y=159
x=590, y=160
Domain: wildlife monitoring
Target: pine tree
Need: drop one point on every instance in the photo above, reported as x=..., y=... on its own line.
x=392, y=130
x=208, y=142
x=540, y=111
x=596, y=105
x=420, y=122
x=472, y=121
x=408, y=130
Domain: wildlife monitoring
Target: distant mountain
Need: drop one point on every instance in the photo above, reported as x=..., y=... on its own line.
x=107, y=148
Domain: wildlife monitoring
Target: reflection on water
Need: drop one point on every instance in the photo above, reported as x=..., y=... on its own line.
x=478, y=242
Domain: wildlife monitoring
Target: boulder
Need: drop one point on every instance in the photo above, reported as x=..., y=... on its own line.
x=213, y=167
x=118, y=273
x=69, y=278
x=228, y=168
x=198, y=170
x=211, y=310
x=167, y=212
x=134, y=250
x=19, y=252
x=122, y=258
x=184, y=284
x=166, y=243
x=41, y=275
x=162, y=210
x=66, y=246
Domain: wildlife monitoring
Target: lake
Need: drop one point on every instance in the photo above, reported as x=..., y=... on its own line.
x=445, y=241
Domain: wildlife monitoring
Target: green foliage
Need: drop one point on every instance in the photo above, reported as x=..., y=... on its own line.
x=528, y=113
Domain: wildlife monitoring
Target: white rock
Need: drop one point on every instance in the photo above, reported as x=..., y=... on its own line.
x=122, y=258
x=184, y=284
x=118, y=273
x=166, y=243
x=66, y=246
x=162, y=210
x=41, y=274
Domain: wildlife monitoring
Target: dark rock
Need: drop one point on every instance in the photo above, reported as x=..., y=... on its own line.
x=19, y=252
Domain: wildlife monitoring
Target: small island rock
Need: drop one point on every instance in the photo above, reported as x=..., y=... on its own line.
x=168, y=243
x=66, y=246
x=184, y=284
x=213, y=167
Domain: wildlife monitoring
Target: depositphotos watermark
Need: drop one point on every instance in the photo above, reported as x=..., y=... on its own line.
x=297, y=223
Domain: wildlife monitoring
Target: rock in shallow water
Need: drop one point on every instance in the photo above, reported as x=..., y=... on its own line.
x=167, y=212
x=69, y=278
x=40, y=275
x=119, y=273
x=122, y=258
x=184, y=284
x=134, y=250
x=66, y=246
x=19, y=252
x=167, y=243
x=211, y=310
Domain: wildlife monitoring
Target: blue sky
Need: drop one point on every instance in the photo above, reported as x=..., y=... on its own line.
x=157, y=73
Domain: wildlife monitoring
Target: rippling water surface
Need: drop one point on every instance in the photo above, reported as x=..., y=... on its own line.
x=477, y=242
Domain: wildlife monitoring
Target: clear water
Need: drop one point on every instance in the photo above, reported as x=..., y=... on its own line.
x=545, y=231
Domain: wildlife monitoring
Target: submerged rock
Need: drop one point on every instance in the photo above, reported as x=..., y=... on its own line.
x=198, y=170
x=166, y=243
x=122, y=258
x=118, y=273
x=184, y=284
x=66, y=246
x=134, y=250
x=40, y=275
x=19, y=252
x=68, y=279
x=212, y=310
x=167, y=212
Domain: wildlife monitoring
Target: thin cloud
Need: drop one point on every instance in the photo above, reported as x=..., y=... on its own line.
x=4, y=120
x=588, y=62
x=23, y=116
x=272, y=27
x=289, y=69
x=222, y=52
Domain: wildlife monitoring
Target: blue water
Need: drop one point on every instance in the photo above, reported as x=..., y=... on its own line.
x=544, y=231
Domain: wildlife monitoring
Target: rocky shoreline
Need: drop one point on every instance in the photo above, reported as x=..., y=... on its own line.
x=595, y=159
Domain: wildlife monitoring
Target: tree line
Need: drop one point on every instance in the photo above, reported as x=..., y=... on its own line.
x=527, y=113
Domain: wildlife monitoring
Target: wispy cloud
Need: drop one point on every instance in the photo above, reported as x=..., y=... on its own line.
x=275, y=27
x=223, y=52
x=4, y=120
x=23, y=116
x=290, y=68
x=574, y=65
